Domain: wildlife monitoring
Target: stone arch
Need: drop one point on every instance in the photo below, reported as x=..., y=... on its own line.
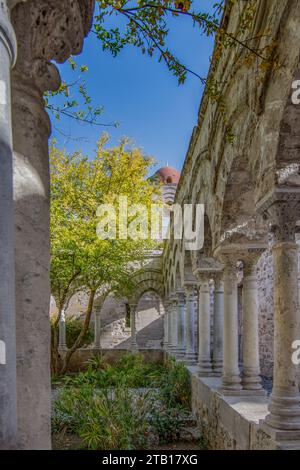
x=287, y=155
x=238, y=218
x=206, y=252
x=144, y=281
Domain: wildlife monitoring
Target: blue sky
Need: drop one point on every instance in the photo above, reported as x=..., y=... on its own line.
x=142, y=95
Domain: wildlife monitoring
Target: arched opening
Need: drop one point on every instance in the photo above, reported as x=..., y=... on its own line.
x=239, y=221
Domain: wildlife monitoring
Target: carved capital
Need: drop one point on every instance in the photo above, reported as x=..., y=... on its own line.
x=203, y=264
x=218, y=280
x=282, y=217
x=133, y=308
x=48, y=30
x=230, y=255
x=281, y=211
x=181, y=297
x=190, y=291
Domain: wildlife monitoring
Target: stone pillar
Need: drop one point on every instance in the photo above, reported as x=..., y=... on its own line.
x=204, y=355
x=196, y=321
x=190, y=356
x=45, y=31
x=8, y=419
x=231, y=380
x=218, y=321
x=62, y=339
x=173, y=325
x=180, y=347
x=134, y=345
x=285, y=399
x=97, y=329
x=166, y=340
x=251, y=369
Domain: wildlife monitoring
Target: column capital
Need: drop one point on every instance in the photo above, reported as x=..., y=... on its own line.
x=248, y=253
x=181, y=297
x=282, y=211
x=47, y=31
x=133, y=307
x=190, y=290
x=218, y=281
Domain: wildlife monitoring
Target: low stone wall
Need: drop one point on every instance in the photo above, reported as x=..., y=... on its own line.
x=228, y=423
x=79, y=360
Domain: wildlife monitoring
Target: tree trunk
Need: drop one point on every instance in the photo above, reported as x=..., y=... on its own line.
x=80, y=339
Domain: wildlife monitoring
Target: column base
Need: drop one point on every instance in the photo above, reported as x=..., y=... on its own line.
x=231, y=383
x=205, y=368
x=242, y=393
x=171, y=351
x=284, y=413
x=190, y=358
x=279, y=434
x=217, y=367
x=251, y=382
x=180, y=353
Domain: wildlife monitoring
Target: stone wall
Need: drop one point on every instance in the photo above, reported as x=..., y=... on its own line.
x=266, y=309
x=81, y=357
x=228, y=423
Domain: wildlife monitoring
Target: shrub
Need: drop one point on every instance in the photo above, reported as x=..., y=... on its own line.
x=100, y=407
x=131, y=371
x=176, y=386
x=104, y=419
x=73, y=328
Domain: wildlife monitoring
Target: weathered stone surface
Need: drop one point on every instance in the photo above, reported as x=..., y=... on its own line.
x=46, y=31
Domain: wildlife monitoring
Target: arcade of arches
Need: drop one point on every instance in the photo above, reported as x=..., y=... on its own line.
x=231, y=310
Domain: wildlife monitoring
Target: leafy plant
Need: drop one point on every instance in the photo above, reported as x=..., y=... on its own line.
x=176, y=386
x=73, y=328
x=104, y=419
x=108, y=408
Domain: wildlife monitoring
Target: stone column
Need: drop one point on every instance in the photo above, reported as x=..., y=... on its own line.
x=285, y=399
x=204, y=355
x=62, y=339
x=134, y=345
x=218, y=323
x=8, y=419
x=97, y=329
x=190, y=356
x=166, y=340
x=180, y=348
x=173, y=324
x=251, y=369
x=231, y=380
x=196, y=321
x=45, y=31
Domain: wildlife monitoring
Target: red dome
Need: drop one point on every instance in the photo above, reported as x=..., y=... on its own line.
x=168, y=175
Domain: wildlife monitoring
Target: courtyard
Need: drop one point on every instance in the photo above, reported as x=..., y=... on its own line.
x=149, y=267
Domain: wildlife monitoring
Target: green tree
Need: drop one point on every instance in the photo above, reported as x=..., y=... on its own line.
x=80, y=260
